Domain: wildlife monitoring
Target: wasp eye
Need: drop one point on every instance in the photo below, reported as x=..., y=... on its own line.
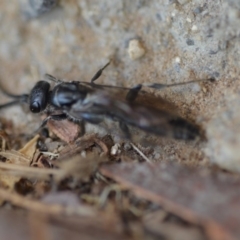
x=35, y=107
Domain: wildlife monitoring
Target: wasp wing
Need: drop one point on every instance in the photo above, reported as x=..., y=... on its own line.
x=101, y=104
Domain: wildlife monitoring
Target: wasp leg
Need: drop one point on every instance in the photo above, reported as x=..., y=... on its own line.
x=92, y=117
x=125, y=130
x=133, y=93
x=82, y=127
x=99, y=73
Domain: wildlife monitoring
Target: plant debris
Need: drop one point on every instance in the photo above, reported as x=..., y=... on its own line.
x=195, y=195
x=112, y=190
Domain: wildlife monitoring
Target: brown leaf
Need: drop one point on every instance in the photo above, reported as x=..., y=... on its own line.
x=65, y=130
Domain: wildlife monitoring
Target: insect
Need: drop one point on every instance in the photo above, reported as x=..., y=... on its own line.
x=89, y=102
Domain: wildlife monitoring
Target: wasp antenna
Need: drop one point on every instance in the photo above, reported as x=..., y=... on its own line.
x=19, y=99
x=161, y=86
x=99, y=73
x=9, y=104
x=51, y=78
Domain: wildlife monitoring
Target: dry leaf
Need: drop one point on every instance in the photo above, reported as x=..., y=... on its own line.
x=24, y=156
x=29, y=149
x=65, y=130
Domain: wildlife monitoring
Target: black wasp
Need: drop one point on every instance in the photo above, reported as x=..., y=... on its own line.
x=90, y=102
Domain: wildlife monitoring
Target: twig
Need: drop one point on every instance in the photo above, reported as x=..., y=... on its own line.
x=29, y=171
x=141, y=153
x=102, y=145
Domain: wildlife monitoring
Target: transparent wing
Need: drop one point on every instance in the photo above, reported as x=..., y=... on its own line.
x=160, y=122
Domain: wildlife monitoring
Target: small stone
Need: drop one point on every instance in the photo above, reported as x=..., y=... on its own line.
x=115, y=149
x=135, y=49
x=177, y=59
x=194, y=28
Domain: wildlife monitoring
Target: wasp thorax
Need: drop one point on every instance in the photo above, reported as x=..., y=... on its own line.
x=66, y=94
